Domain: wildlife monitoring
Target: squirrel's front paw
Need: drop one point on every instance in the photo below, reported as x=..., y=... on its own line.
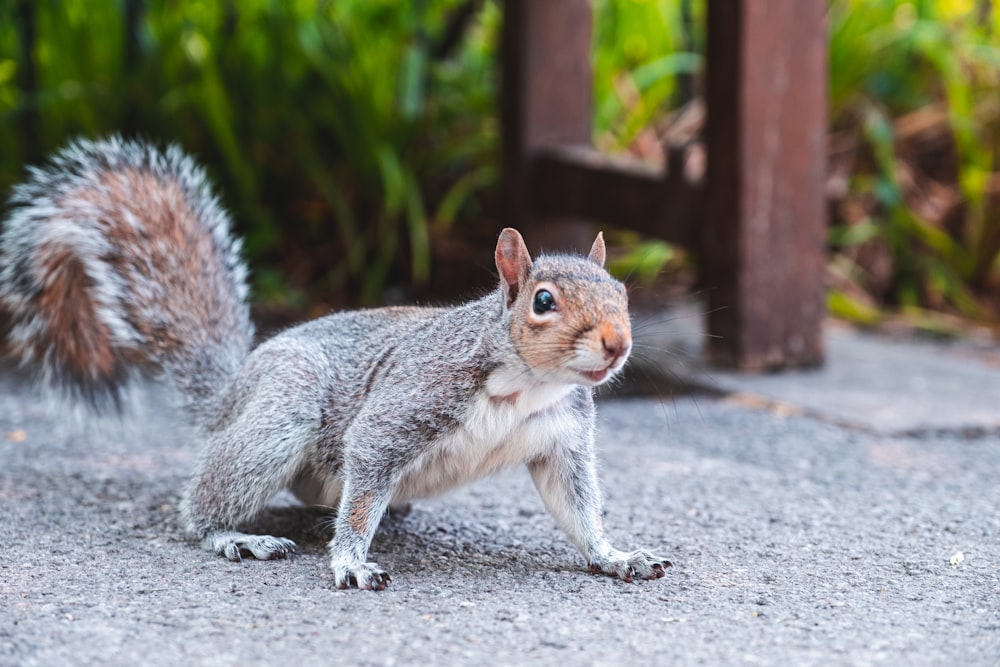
x=366, y=576
x=629, y=565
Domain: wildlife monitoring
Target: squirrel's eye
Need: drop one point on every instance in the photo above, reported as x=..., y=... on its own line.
x=544, y=302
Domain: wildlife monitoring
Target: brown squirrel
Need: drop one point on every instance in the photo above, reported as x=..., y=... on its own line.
x=117, y=259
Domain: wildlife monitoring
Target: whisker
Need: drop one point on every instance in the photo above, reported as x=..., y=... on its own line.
x=660, y=395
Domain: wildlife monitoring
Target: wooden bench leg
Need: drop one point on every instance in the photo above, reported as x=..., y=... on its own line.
x=763, y=249
x=546, y=100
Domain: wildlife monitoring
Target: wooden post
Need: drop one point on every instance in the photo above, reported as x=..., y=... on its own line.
x=546, y=100
x=763, y=247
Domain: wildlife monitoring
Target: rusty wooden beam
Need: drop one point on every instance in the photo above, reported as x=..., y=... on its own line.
x=763, y=250
x=580, y=182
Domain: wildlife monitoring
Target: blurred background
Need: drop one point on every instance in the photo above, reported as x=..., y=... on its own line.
x=356, y=141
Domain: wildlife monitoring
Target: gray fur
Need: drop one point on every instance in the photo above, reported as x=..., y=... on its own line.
x=366, y=409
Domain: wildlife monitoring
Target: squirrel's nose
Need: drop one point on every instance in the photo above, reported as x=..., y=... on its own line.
x=616, y=343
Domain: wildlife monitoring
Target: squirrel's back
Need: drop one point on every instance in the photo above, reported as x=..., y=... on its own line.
x=115, y=257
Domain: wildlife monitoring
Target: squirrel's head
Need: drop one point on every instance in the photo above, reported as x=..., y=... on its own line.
x=569, y=317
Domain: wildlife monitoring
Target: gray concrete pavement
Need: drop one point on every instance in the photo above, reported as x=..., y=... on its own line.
x=799, y=535
x=882, y=385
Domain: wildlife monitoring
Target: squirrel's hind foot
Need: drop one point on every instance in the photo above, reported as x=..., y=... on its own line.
x=366, y=576
x=629, y=566
x=235, y=545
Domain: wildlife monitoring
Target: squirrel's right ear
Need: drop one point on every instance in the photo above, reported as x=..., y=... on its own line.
x=598, y=252
x=513, y=262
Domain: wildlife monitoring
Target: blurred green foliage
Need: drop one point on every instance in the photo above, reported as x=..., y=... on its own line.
x=645, y=51
x=915, y=116
x=914, y=182
x=345, y=134
x=337, y=132
x=341, y=134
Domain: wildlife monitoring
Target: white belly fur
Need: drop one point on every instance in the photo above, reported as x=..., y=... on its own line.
x=495, y=434
x=506, y=425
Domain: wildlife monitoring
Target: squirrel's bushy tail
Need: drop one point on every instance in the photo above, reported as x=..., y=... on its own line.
x=115, y=258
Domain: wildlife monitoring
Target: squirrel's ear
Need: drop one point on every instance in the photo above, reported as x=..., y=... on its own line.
x=513, y=262
x=598, y=251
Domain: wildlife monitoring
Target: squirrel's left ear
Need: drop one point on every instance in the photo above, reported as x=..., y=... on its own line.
x=513, y=262
x=598, y=251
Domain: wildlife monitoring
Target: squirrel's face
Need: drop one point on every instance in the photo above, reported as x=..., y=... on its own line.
x=572, y=323
x=569, y=317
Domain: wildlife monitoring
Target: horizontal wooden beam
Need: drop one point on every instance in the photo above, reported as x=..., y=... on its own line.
x=577, y=181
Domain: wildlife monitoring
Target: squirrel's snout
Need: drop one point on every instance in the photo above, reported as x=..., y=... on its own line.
x=617, y=343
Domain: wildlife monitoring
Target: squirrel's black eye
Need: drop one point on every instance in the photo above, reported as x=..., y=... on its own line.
x=544, y=302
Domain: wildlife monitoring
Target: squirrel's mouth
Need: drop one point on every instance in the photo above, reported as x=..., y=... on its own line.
x=600, y=375
x=597, y=376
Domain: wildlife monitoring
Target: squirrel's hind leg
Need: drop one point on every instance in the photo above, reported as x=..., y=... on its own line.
x=236, y=478
x=258, y=446
x=233, y=545
x=233, y=483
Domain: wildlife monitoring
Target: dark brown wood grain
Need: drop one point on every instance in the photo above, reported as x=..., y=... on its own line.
x=763, y=248
x=626, y=193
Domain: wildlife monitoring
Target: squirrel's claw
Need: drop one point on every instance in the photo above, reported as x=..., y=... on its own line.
x=365, y=576
x=628, y=566
x=232, y=552
x=235, y=546
x=660, y=569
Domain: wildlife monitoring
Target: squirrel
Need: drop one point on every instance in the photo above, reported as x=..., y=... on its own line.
x=116, y=260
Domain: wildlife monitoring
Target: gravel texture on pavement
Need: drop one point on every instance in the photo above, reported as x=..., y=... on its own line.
x=794, y=541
